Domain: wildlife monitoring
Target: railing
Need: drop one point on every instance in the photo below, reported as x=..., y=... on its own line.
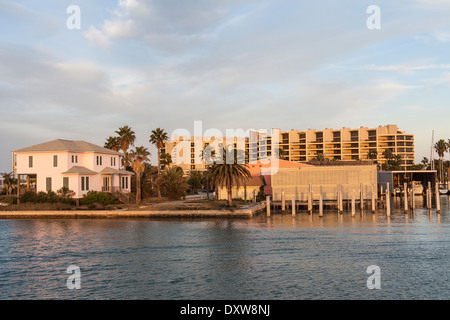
x=120, y=193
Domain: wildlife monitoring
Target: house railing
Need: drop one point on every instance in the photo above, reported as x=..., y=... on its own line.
x=122, y=194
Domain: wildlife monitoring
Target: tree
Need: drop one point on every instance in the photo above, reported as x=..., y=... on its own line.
x=166, y=159
x=195, y=180
x=158, y=138
x=173, y=182
x=9, y=181
x=441, y=148
x=138, y=158
x=393, y=162
x=126, y=138
x=230, y=174
x=282, y=154
x=372, y=155
x=425, y=162
x=320, y=157
x=112, y=143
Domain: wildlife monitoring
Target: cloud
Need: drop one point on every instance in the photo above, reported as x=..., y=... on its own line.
x=165, y=26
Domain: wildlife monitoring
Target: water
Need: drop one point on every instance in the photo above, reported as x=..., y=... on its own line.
x=281, y=257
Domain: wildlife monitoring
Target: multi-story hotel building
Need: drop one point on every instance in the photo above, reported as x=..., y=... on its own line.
x=303, y=146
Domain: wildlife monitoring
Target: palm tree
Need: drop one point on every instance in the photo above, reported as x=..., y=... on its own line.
x=173, y=182
x=320, y=157
x=441, y=147
x=372, y=155
x=195, y=180
x=425, y=162
x=230, y=174
x=112, y=143
x=158, y=138
x=126, y=138
x=9, y=181
x=166, y=159
x=138, y=158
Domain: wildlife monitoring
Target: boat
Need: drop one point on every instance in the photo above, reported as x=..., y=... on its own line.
x=443, y=191
x=418, y=187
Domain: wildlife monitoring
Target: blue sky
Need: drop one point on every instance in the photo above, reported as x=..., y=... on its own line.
x=228, y=63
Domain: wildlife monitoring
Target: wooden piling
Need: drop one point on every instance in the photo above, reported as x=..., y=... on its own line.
x=310, y=205
x=341, y=206
x=361, y=197
x=320, y=205
x=429, y=195
x=413, y=197
x=373, y=198
x=293, y=206
x=405, y=188
x=388, y=201
x=353, y=205
x=283, y=202
x=438, y=199
x=268, y=206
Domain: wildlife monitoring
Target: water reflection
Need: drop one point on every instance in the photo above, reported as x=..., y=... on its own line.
x=278, y=257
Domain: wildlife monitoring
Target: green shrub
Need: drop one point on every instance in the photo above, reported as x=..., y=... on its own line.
x=47, y=197
x=28, y=196
x=97, y=197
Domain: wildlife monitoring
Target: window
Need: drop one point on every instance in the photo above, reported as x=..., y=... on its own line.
x=30, y=161
x=125, y=182
x=55, y=161
x=48, y=184
x=74, y=159
x=66, y=182
x=84, y=183
x=99, y=160
x=113, y=161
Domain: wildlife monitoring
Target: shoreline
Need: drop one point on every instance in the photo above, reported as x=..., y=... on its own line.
x=114, y=214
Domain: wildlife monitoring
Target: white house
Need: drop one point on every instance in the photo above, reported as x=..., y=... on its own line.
x=78, y=165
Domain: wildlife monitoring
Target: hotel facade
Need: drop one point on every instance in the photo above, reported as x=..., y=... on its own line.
x=344, y=144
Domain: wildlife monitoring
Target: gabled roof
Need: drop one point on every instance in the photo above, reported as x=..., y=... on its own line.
x=67, y=145
x=80, y=170
x=109, y=170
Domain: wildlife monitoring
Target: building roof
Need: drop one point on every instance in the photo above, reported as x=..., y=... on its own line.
x=67, y=145
x=256, y=181
x=265, y=165
x=80, y=170
x=109, y=170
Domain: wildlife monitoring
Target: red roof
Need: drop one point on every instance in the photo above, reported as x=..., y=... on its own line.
x=255, y=168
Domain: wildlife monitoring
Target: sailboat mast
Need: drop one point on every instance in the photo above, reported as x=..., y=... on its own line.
x=432, y=153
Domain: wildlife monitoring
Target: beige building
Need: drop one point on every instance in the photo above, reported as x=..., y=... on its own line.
x=187, y=151
x=325, y=181
x=246, y=191
x=345, y=144
x=303, y=146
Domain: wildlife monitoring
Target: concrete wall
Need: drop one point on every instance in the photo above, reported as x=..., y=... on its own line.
x=295, y=181
x=239, y=193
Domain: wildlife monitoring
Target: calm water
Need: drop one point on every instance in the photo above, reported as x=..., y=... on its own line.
x=280, y=257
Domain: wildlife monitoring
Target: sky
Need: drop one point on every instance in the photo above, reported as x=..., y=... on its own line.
x=231, y=64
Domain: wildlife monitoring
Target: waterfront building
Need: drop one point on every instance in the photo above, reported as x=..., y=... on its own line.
x=78, y=165
x=349, y=145
x=324, y=180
